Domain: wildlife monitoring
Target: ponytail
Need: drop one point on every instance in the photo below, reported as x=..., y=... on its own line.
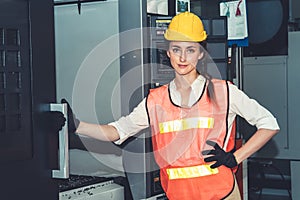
x=202, y=67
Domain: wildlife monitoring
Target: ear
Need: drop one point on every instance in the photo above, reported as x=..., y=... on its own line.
x=168, y=53
x=201, y=55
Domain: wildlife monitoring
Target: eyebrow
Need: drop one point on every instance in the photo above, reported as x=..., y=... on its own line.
x=188, y=47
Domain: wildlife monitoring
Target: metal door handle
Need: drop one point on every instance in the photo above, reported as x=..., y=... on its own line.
x=63, y=157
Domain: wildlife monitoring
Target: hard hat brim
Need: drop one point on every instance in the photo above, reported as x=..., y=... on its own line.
x=171, y=35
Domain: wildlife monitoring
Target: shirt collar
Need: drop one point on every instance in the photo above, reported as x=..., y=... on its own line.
x=197, y=87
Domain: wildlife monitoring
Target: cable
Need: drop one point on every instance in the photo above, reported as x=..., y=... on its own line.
x=260, y=167
x=282, y=177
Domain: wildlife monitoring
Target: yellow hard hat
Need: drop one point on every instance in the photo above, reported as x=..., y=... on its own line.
x=187, y=27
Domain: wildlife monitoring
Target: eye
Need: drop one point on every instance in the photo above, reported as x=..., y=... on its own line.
x=190, y=51
x=175, y=50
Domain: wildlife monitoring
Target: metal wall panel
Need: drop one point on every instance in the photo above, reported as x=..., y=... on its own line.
x=87, y=59
x=265, y=79
x=293, y=94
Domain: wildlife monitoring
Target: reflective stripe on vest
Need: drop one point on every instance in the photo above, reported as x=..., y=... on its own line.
x=185, y=124
x=191, y=172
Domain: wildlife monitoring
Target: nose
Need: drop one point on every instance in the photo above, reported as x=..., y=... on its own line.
x=182, y=56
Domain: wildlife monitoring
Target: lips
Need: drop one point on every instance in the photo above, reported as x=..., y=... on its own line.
x=182, y=66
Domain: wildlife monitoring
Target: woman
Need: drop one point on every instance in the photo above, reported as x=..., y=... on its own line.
x=191, y=119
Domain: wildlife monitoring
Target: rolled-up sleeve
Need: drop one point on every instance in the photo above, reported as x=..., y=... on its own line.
x=254, y=113
x=133, y=123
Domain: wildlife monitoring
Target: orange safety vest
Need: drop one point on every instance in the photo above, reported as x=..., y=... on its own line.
x=179, y=136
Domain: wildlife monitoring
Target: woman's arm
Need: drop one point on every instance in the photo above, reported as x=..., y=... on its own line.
x=97, y=131
x=257, y=141
x=255, y=114
x=119, y=130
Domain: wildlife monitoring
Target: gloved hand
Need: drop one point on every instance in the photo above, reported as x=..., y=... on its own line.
x=220, y=156
x=73, y=122
x=53, y=120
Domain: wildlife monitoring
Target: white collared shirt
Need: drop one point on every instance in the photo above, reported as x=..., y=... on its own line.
x=239, y=104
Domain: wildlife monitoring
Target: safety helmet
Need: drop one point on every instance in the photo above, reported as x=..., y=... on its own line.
x=186, y=27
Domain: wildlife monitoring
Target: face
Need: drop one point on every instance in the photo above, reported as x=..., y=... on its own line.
x=184, y=56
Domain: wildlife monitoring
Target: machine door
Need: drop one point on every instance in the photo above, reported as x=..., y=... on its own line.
x=27, y=86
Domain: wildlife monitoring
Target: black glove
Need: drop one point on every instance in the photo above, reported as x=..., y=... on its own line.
x=54, y=120
x=220, y=156
x=73, y=122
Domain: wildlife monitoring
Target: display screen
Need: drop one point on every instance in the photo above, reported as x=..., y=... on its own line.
x=162, y=25
x=219, y=27
x=217, y=50
x=268, y=27
x=215, y=27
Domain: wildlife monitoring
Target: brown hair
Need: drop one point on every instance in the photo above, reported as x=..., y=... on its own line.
x=202, y=67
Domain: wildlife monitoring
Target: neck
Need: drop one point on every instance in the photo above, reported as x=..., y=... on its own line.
x=185, y=81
